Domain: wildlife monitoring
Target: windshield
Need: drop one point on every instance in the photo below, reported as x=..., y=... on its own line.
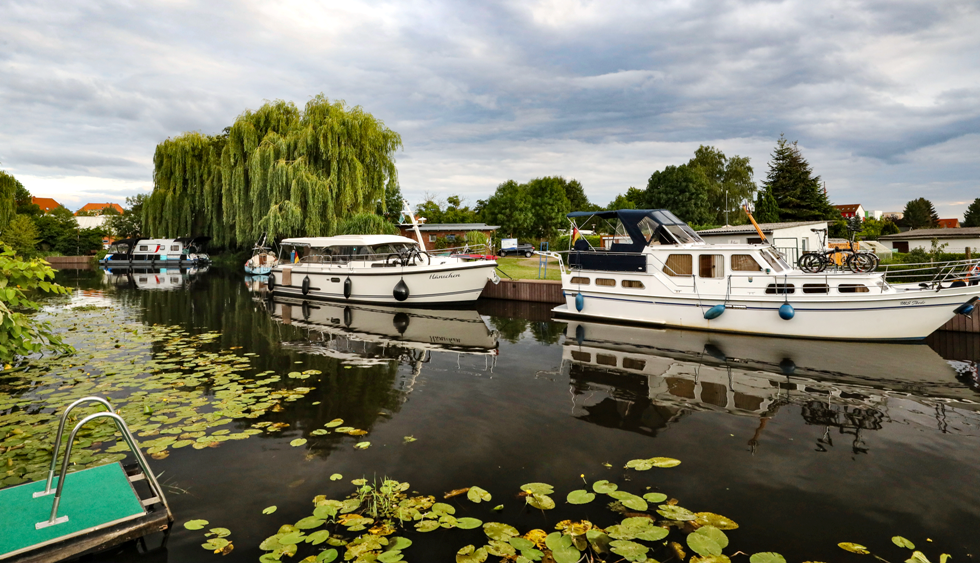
x=774, y=260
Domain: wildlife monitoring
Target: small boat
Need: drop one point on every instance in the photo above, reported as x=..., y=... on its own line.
x=666, y=275
x=157, y=253
x=379, y=269
x=262, y=260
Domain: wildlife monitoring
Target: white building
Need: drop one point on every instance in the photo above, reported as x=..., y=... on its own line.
x=792, y=239
x=957, y=240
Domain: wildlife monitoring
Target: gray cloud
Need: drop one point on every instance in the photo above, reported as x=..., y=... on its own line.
x=485, y=91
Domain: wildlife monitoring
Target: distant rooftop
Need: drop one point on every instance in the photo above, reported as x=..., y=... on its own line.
x=89, y=207
x=915, y=234
x=848, y=208
x=766, y=227
x=45, y=203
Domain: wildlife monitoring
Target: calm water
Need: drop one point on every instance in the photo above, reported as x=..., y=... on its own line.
x=803, y=444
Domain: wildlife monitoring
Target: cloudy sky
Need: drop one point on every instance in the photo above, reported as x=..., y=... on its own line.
x=882, y=95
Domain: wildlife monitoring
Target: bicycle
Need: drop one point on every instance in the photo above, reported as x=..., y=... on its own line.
x=857, y=262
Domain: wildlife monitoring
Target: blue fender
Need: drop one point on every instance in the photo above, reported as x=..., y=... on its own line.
x=579, y=302
x=714, y=312
x=786, y=311
x=964, y=309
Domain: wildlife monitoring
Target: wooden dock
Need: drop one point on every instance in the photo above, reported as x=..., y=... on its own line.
x=70, y=262
x=537, y=291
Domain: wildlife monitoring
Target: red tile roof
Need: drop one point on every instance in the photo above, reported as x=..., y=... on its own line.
x=849, y=208
x=953, y=223
x=45, y=203
x=99, y=207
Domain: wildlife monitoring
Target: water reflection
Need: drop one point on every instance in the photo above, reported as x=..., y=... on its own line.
x=644, y=380
x=167, y=279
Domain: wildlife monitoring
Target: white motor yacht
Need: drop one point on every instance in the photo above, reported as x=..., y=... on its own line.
x=666, y=275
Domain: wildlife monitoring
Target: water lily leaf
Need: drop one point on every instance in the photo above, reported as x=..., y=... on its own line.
x=426, y=525
x=521, y=543
x=853, y=547
x=362, y=445
x=349, y=505
x=319, y=432
x=902, y=542
x=195, y=524
x=674, y=512
x=664, y=461
x=630, y=550
x=538, y=488
x=391, y=556
x=498, y=508
x=715, y=534
x=716, y=559
x=318, y=537
x=477, y=495
x=270, y=543
x=410, y=439
x=220, y=532
x=298, y=442
x=703, y=545
x=325, y=511
x=541, y=502
x=309, y=523
x=767, y=557
x=470, y=554
x=443, y=508
x=639, y=464
x=215, y=544
x=566, y=554
x=499, y=531
x=336, y=477
x=291, y=539
x=359, y=482
x=553, y=540
x=398, y=543
x=344, y=429
x=468, y=524
x=917, y=557
x=447, y=521
x=655, y=498
x=500, y=549
x=716, y=520
x=604, y=487
x=629, y=500
x=326, y=556
x=531, y=555
x=334, y=423
x=580, y=496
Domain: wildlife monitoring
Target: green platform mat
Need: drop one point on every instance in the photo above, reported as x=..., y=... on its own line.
x=91, y=497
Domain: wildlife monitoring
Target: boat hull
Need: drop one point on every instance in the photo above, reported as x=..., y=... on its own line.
x=909, y=315
x=429, y=285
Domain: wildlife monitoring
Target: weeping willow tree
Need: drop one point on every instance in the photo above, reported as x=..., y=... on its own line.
x=277, y=170
x=8, y=203
x=366, y=224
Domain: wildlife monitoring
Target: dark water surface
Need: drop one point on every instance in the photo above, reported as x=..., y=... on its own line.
x=803, y=444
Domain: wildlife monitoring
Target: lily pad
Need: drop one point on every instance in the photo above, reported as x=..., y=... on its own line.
x=195, y=524
x=499, y=531
x=580, y=496
x=716, y=520
x=362, y=445
x=297, y=442
x=334, y=423
x=521, y=543
x=336, y=477
x=674, y=512
x=318, y=537
x=470, y=554
x=443, y=508
x=703, y=545
x=902, y=542
x=630, y=500
x=215, y=544
x=715, y=534
x=541, y=502
x=309, y=523
x=604, y=487
x=478, y=495
x=426, y=525
x=220, y=532
x=538, y=488
x=630, y=550
x=500, y=549
x=399, y=543
x=468, y=523
x=326, y=556
x=655, y=498
x=853, y=547
x=566, y=554
x=767, y=557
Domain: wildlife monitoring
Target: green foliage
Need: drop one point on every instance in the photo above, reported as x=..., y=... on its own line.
x=475, y=238
x=766, y=208
x=450, y=211
x=392, y=206
x=277, y=170
x=89, y=241
x=889, y=228
x=22, y=235
x=24, y=204
x=366, y=224
x=624, y=201
x=510, y=208
x=130, y=223
x=57, y=231
x=8, y=202
x=970, y=219
x=549, y=205
x=20, y=335
x=920, y=214
x=872, y=229
x=681, y=190
x=729, y=183
x=575, y=194
x=794, y=187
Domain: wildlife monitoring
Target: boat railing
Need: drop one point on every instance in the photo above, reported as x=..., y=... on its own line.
x=933, y=273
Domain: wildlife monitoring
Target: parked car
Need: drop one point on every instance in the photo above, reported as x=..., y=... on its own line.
x=526, y=249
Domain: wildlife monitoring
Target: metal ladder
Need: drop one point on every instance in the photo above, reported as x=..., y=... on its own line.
x=147, y=473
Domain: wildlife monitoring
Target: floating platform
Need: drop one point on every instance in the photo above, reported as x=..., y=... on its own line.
x=103, y=510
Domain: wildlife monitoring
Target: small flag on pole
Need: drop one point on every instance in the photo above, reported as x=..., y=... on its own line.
x=575, y=235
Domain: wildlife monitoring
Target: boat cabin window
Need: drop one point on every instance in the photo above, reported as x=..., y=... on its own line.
x=816, y=288
x=581, y=356
x=633, y=283
x=580, y=281
x=144, y=248
x=711, y=266
x=631, y=363
x=679, y=265
x=780, y=288
x=606, y=282
x=605, y=360
x=745, y=263
x=175, y=247
x=774, y=261
x=852, y=288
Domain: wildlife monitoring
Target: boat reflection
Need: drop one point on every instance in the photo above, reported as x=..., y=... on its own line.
x=643, y=380
x=153, y=278
x=361, y=335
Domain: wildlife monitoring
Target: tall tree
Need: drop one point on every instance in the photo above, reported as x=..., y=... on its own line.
x=766, y=208
x=681, y=190
x=8, y=201
x=393, y=205
x=972, y=216
x=729, y=183
x=21, y=235
x=278, y=169
x=575, y=193
x=57, y=231
x=549, y=205
x=510, y=208
x=920, y=214
x=130, y=223
x=794, y=187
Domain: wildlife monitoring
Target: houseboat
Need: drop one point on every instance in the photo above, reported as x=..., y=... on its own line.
x=666, y=275
x=157, y=253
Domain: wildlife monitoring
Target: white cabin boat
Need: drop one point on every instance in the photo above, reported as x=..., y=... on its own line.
x=668, y=276
x=157, y=253
x=386, y=269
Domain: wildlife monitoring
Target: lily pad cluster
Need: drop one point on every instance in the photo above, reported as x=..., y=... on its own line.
x=916, y=557
x=217, y=538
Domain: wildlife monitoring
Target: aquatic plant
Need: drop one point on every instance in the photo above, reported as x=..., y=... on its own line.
x=20, y=334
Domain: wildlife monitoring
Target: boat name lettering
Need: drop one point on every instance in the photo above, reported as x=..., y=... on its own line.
x=444, y=340
x=914, y=302
x=442, y=276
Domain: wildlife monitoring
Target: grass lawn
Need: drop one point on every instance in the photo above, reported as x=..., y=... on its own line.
x=521, y=268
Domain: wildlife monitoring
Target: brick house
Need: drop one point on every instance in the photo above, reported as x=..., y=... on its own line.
x=851, y=210
x=455, y=233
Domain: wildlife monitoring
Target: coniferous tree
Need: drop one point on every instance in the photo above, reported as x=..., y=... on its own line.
x=920, y=214
x=794, y=187
x=766, y=208
x=972, y=216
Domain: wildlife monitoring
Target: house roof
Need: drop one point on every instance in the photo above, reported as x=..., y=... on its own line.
x=452, y=227
x=99, y=207
x=949, y=223
x=848, y=208
x=45, y=203
x=766, y=227
x=918, y=234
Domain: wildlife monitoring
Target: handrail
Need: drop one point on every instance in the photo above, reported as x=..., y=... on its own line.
x=554, y=254
x=57, y=439
x=130, y=441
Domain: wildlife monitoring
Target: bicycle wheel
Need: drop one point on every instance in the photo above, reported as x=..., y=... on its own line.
x=860, y=263
x=812, y=263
